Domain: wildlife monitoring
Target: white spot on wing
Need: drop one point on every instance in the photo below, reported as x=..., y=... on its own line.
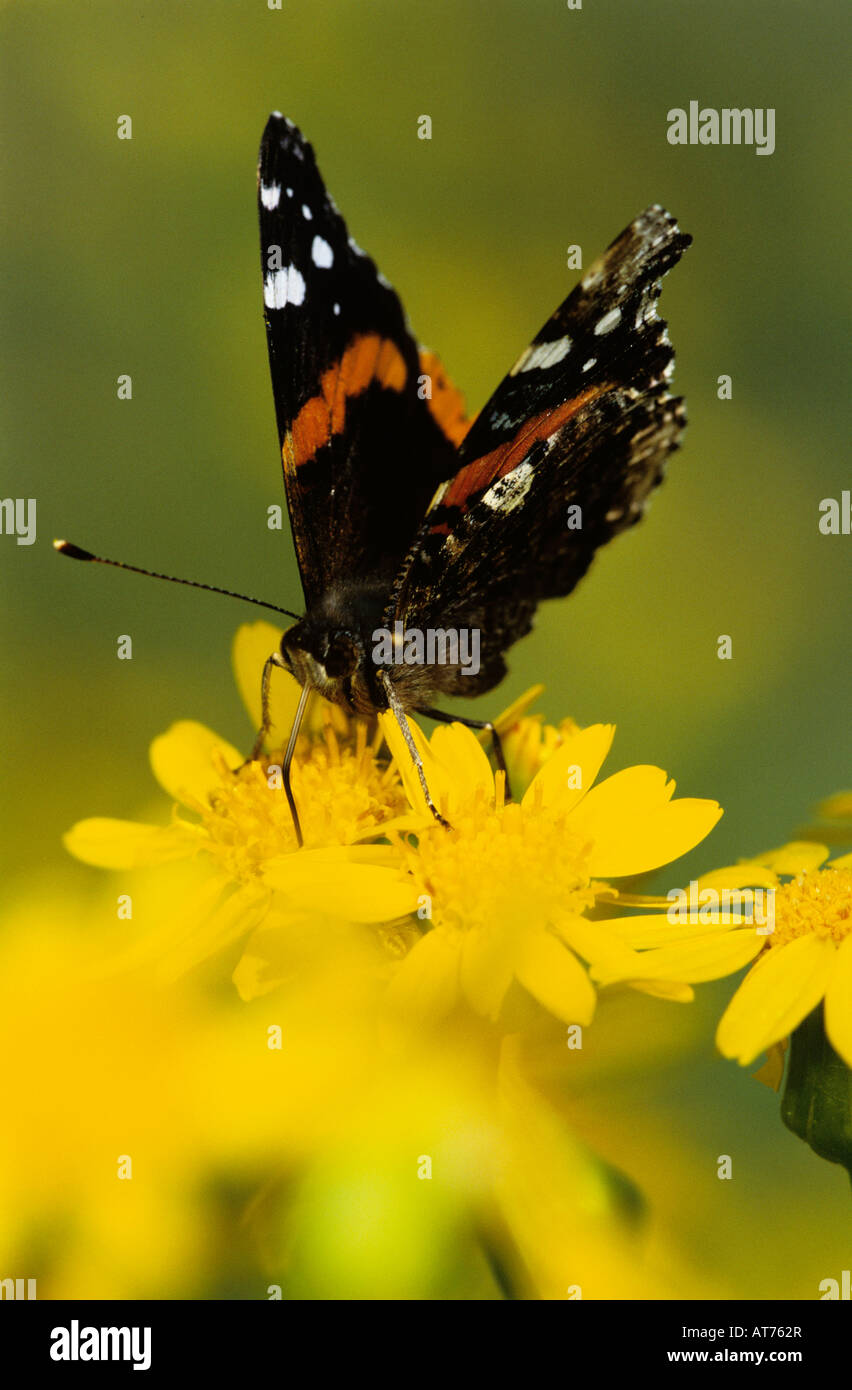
x=306, y=213
x=270, y=196
x=321, y=253
x=335, y=308
x=607, y=323
x=542, y=355
x=587, y=366
x=283, y=287
x=547, y=354
x=508, y=493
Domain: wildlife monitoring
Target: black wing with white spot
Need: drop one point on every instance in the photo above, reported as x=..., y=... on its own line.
x=361, y=451
x=562, y=457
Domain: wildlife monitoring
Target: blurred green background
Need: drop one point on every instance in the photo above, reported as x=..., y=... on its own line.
x=549, y=128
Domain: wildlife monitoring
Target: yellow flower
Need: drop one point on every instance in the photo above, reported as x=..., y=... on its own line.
x=240, y=836
x=797, y=930
x=806, y=959
x=509, y=888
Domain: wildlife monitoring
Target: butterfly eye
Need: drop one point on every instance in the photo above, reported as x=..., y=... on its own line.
x=341, y=657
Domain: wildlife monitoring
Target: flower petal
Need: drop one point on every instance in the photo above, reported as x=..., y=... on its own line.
x=634, y=825
x=734, y=876
x=513, y=712
x=799, y=856
x=838, y=1003
x=454, y=762
x=555, y=782
x=488, y=967
x=348, y=884
x=598, y=945
x=125, y=844
x=399, y=750
x=838, y=806
x=188, y=761
x=673, y=990
x=782, y=988
x=655, y=930
x=706, y=957
x=204, y=933
x=458, y=750
x=554, y=976
x=253, y=643
x=426, y=985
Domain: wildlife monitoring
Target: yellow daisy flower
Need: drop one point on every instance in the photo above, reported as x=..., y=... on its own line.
x=805, y=960
x=509, y=889
x=239, y=831
x=800, y=941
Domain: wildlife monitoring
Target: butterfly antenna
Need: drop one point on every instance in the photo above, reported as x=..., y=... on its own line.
x=76, y=553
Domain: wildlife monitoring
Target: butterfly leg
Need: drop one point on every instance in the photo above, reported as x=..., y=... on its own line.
x=443, y=718
x=274, y=660
x=271, y=661
x=399, y=715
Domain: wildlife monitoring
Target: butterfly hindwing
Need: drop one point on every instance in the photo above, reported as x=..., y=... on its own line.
x=362, y=450
x=561, y=458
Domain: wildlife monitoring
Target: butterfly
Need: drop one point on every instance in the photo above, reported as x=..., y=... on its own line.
x=410, y=520
x=425, y=540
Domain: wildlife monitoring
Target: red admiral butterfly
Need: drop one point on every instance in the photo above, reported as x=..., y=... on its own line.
x=414, y=527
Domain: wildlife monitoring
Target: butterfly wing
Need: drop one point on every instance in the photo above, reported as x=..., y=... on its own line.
x=363, y=446
x=563, y=457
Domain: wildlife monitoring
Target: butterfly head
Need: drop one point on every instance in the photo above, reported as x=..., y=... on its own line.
x=322, y=655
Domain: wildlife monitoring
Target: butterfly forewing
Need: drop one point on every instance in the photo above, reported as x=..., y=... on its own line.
x=361, y=450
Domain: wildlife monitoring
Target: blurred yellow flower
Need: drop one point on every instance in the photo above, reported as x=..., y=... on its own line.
x=509, y=888
x=834, y=824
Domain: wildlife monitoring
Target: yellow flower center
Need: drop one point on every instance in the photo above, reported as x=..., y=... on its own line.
x=500, y=864
x=817, y=903
x=341, y=793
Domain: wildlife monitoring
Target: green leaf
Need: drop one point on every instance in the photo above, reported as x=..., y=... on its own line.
x=817, y=1101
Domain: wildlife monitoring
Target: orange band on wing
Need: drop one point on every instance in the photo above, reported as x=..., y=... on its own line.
x=484, y=471
x=446, y=403
x=369, y=358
